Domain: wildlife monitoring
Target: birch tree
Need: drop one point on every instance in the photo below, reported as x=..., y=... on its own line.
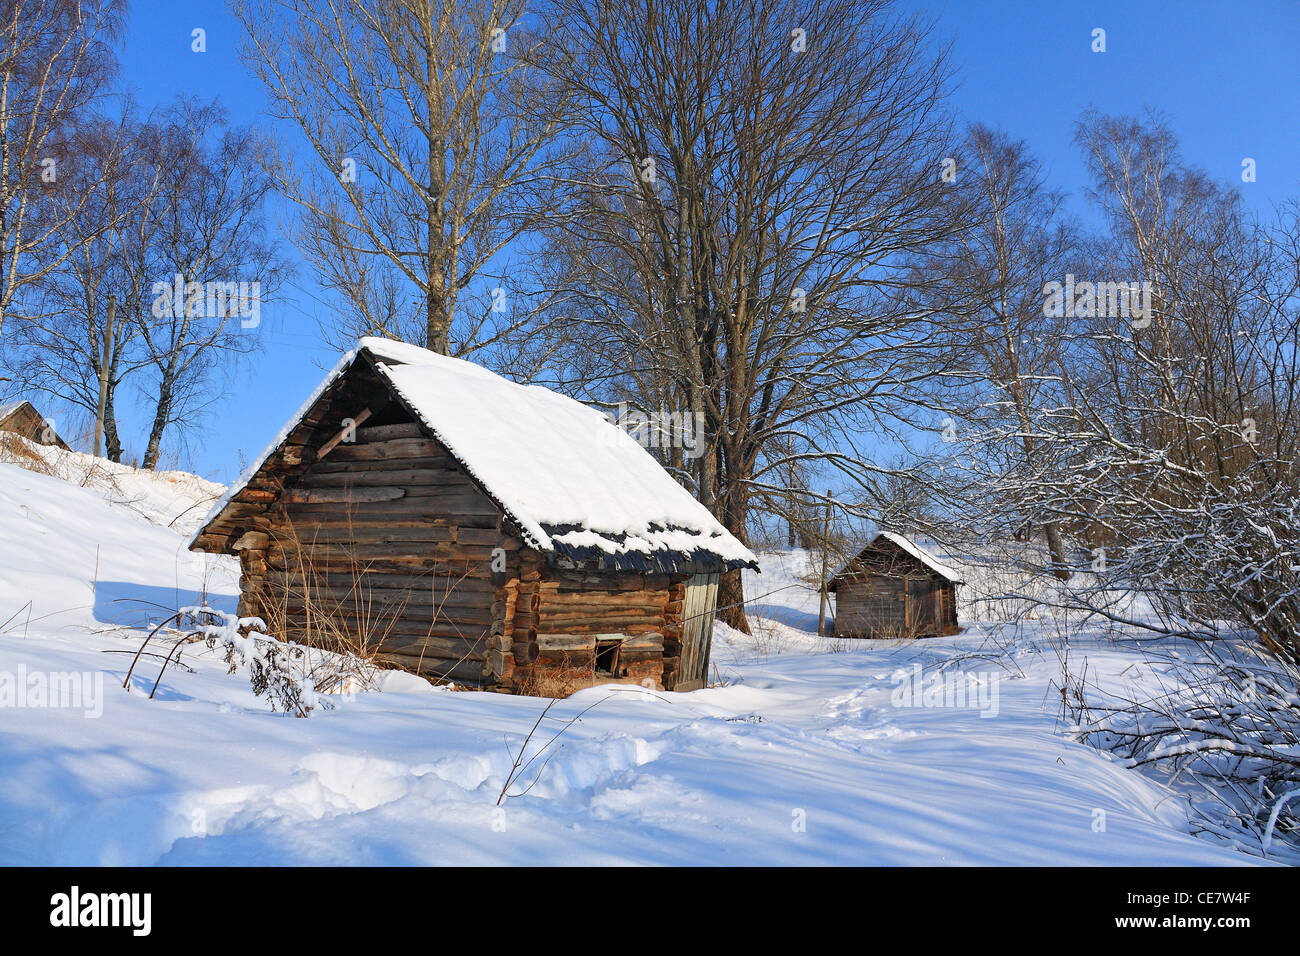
x=169, y=224
x=1011, y=357
x=206, y=266
x=66, y=346
x=426, y=144
x=56, y=59
x=1176, y=431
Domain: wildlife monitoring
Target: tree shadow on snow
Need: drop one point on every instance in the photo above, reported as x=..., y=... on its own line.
x=801, y=620
x=130, y=604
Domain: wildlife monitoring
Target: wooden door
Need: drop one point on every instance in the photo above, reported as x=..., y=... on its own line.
x=920, y=603
x=699, y=607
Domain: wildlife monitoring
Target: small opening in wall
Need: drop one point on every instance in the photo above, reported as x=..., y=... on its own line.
x=607, y=657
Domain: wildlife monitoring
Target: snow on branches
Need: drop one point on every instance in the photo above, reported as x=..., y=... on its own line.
x=295, y=678
x=281, y=671
x=1225, y=718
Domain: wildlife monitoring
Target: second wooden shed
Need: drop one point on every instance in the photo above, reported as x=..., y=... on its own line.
x=22, y=418
x=892, y=588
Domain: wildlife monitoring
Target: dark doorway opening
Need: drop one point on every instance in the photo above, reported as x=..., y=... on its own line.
x=607, y=657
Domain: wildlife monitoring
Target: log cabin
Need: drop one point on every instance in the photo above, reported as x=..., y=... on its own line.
x=892, y=589
x=467, y=528
x=22, y=418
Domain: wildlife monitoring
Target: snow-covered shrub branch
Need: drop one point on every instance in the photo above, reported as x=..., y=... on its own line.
x=1162, y=451
x=295, y=679
x=283, y=672
x=1227, y=721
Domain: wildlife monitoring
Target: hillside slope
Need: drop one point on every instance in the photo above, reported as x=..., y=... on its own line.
x=804, y=753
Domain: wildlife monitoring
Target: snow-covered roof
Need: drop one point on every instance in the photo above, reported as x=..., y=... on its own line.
x=8, y=408
x=569, y=479
x=915, y=551
x=911, y=548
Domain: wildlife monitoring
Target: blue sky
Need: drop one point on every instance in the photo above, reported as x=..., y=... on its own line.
x=1225, y=75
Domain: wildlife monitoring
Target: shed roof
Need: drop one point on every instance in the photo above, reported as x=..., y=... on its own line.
x=572, y=482
x=909, y=547
x=8, y=408
x=9, y=411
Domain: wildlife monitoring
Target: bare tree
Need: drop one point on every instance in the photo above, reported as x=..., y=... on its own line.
x=169, y=226
x=70, y=345
x=209, y=263
x=428, y=143
x=1175, y=439
x=755, y=173
x=55, y=61
x=1011, y=356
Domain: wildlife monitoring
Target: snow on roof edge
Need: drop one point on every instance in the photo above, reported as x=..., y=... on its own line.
x=711, y=537
x=240, y=483
x=8, y=408
x=540, y=539
x=914, y=550
x=708, y=533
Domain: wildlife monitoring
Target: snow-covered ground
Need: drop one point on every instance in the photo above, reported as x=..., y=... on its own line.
x=173, y=499
x=807, y=751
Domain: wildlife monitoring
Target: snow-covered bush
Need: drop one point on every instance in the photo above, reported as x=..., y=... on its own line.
x=1224, y=718
x=294, y=678
x=283, y=672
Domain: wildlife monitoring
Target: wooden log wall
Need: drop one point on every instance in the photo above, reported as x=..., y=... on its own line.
x=673, y=613
x=563, y=617
x=387, y=539
x=872, y=606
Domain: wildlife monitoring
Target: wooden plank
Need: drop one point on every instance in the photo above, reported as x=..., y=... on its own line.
x=470, y=672
x=251, y=539
x=363, y=578
x=344, y=607
x=287, y=553
x=566, y=642
x=384, y=432
x=310, y=531
x=465, y=609
x=405, y=471
x=650, y=641
x=393, y=449
x=448, y=648
x=344, y=432
x=416, y=484
x=297, y=629
x=474, y=513
x=412, y=571
x=255, y=496
x=698, y=608
x=342, y=495
x=480, y=536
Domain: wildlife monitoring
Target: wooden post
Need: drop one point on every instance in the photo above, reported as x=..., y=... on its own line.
x=907, y=606
x=826, y=548
x=103, y=374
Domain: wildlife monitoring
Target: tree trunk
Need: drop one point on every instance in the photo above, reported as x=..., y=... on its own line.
x=731, y=586
x=112, y=440
x=1050, y=530
x=437, y=320
x=160, y=418
x=1053, y=535
x=437, y=337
